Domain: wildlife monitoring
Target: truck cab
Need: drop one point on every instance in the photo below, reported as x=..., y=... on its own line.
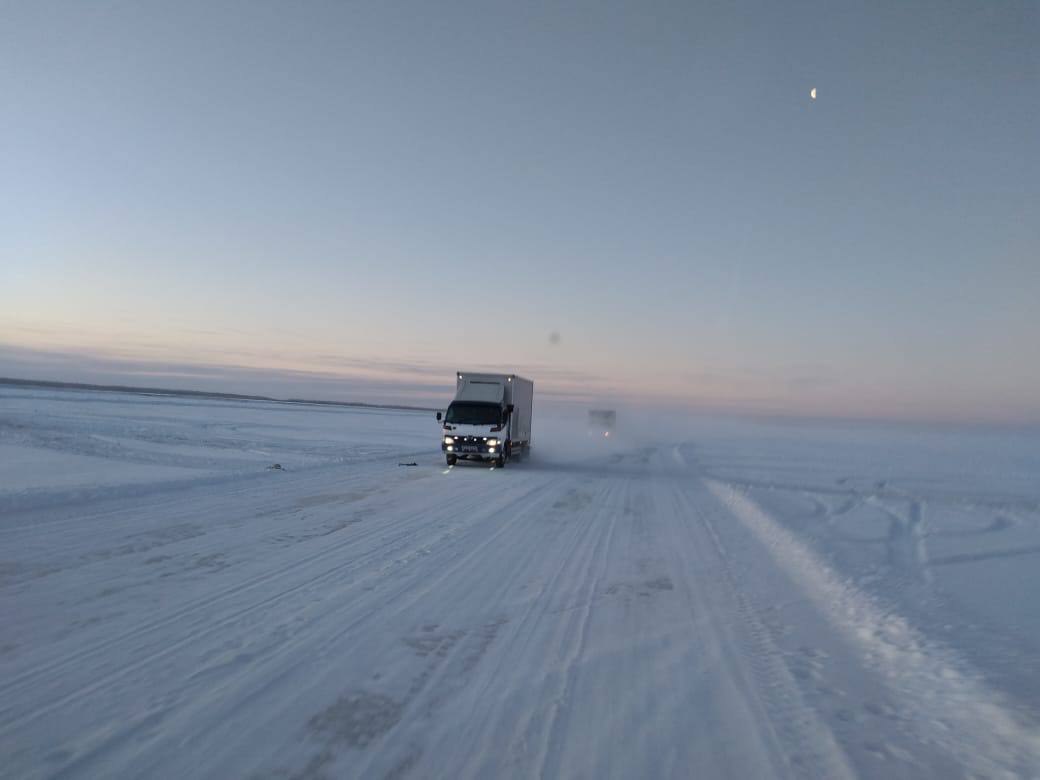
x=488, y=420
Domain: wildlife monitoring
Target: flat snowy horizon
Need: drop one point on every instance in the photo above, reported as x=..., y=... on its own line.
x=711, y=599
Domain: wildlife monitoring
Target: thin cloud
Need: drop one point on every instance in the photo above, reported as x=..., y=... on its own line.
x=352, y=379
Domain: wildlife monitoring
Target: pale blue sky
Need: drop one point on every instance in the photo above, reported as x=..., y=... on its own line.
x=274, y=196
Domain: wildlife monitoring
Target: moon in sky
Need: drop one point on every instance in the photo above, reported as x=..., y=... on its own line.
x=812, y=93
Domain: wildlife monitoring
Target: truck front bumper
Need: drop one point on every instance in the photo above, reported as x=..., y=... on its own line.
x=472, y=447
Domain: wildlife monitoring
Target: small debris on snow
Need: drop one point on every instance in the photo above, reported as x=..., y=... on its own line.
x=275, y=467
x=407, y=464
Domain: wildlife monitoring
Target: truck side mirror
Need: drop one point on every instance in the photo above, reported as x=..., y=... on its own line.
x=509, y=409
x=438, y=416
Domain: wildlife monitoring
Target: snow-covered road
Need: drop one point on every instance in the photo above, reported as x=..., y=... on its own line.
x=588, y=613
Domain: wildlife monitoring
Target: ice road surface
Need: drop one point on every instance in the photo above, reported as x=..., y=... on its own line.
x=724, y=600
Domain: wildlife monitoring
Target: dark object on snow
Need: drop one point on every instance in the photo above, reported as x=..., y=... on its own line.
x=275, y=467
x=407, y=464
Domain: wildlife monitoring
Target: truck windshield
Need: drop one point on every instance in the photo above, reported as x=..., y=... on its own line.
x=474, y=414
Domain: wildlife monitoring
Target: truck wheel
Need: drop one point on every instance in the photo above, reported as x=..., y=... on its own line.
x=452, y=460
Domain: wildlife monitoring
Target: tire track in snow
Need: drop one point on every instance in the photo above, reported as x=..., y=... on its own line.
x=519, y=638
x=206, y=624
x=806, y=745
x=272, y=669
x=951, y=708
x=360, y=536
x=235, y=504
x=511, y=632
x=556, y=730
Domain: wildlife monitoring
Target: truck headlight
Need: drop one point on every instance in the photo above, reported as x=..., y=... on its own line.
x=492, y=442
x=449, y=439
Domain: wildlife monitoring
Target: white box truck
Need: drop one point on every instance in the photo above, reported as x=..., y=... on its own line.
x=489, y=419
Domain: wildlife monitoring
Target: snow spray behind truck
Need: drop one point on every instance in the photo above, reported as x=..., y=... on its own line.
x=490, y=418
